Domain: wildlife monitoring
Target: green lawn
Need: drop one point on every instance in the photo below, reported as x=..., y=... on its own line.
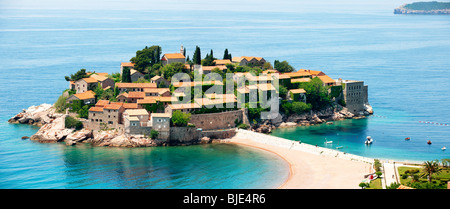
x=407, y=179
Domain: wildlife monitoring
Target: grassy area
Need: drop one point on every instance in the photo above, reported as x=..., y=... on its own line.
x=413, y=177
x=375, y=184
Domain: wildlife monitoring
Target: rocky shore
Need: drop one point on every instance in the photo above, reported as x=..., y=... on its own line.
x=52, y=127
x=312, y=118
x=53, y=130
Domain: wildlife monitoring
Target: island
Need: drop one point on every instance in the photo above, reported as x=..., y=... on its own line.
x=169, y=99
x=431, y=8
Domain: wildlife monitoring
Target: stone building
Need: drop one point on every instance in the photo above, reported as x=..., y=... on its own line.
x=107, y=116
x=90, y=83
x=355, y=95
x=161, y=123
x=134, y=86
x=87, y=97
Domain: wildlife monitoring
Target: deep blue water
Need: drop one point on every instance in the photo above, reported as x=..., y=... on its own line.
x=404, y=60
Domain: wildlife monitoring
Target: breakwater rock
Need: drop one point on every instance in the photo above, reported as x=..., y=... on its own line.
x=36, y=115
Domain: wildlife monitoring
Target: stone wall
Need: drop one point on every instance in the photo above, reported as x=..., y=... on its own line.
x=212, y=121
x=219, y=134
x=184, y=135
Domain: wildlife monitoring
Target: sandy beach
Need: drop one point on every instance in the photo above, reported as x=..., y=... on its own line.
x=310, y=167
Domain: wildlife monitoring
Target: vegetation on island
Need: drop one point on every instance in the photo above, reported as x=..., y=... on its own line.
x=433, y=5
x=180, y=119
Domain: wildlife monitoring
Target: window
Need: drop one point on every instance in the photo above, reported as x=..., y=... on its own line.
x=110, y=122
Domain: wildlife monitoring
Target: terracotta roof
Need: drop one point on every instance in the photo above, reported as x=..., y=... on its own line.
x=222, y=62
x=136, y=94
x=156, y=77
x=125, y=94
x=112, y=106
x=299, y=73
x=127, y=64
x=167, y=99
x=208, y=102
x=266, y=87
x=184, y=106
x=300, y=80
x=101, y=103
x=174, y=56
x=130, y=105
x=96, y=109
x=210, y=68
x=90, y=80
x=326, y=79
x=85, y=95
x=196, y=83
x=117, y=103
x=161, y=115
x=239, y=59
x=312, y=72
x=134, y=112
x=132, y=118
x=101, y=74
x=156, y=90
x=146, y=101
x=297, y=91
x=134, y=71
x=136, y=85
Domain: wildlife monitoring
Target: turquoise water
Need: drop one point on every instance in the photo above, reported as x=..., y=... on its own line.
x=404, y=60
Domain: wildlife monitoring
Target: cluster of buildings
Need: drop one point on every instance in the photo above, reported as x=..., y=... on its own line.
x=130, y=113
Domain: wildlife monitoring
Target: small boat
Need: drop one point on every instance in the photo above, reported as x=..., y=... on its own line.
x=328, y=142
x=428, y=142
x=443, y=148
x=339, y=147
x=407, y=138
x=369, y=140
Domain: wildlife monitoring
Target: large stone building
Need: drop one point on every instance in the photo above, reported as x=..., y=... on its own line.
x=355, y=95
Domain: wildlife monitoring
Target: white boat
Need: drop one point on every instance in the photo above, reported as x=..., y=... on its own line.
x=369, y=140
x=443, y=148
x=328, y=142
x=339, y=147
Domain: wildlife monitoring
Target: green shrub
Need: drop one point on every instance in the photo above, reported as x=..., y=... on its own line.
x=243, y=126
x=71, y=122
x=154, y=134
x=61, y=104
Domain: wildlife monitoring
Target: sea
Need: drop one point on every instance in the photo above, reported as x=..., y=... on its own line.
x=404, y=60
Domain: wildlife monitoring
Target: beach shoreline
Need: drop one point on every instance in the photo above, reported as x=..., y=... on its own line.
x=310, y=167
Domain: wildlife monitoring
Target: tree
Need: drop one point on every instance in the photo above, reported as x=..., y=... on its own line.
x=301, y=107
x=197, y=58
x=283, y=67
x=430, y=168
x=61, y=104
x=316, y=94
x=77, y=76
x=209, y=60
x=363, y=185
x=71, y=122
x=146, y=58
x=226, y=55
x=173, y=68
x=126, y=75
x=267, y=65
x=154, y=134
x=180, y=119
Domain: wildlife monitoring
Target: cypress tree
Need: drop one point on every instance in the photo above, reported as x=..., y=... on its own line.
x=225, y=54
x=126, y=75
x=197, y=58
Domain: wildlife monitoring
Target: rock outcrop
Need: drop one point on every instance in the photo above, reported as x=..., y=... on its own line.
x=36, y=115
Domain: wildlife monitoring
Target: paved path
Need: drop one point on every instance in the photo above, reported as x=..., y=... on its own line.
x=390, y=175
